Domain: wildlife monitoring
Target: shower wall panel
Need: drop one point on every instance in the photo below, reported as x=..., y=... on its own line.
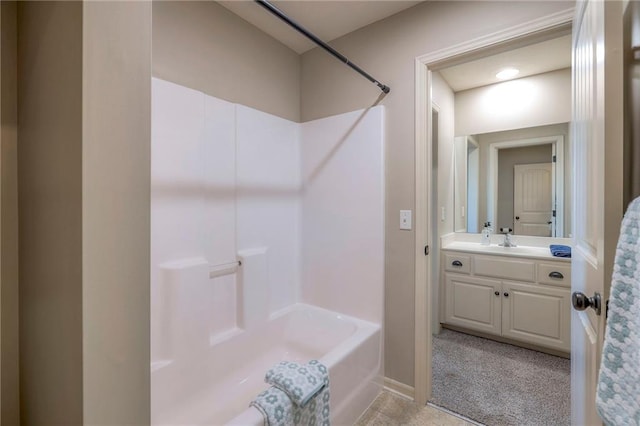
x=268, y=186
x=228, y=180
x=193, y=220
x=342, y=160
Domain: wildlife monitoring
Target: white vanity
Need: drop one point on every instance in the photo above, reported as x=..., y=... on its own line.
x=518, y=294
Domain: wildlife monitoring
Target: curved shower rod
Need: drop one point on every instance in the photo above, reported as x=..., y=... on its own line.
x=277, y=12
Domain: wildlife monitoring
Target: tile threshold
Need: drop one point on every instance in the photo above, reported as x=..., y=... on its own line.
x=454, y=414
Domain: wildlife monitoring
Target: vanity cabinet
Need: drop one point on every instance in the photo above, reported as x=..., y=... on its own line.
x=522, y=299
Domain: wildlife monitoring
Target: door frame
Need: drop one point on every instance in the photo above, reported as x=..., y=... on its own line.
x=557, y=143
x=544, y=28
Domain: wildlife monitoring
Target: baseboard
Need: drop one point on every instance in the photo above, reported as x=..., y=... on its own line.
x=399, y=388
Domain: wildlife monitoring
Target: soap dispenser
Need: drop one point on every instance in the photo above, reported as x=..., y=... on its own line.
x=485, y=239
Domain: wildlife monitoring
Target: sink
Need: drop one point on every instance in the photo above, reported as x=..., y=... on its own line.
x=498, y=249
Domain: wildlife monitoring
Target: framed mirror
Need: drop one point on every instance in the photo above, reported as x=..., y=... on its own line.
x=516, y=179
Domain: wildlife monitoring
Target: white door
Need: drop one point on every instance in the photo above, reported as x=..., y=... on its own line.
x=597, y=153
x=532, y=199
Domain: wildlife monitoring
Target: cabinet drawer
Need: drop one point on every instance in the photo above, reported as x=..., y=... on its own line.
x=457, y=263
x=513, y=269
x=554, y=274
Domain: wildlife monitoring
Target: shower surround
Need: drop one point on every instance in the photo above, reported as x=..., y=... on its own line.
x=301, y=206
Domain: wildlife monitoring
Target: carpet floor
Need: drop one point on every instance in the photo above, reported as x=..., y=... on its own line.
x=498, y=384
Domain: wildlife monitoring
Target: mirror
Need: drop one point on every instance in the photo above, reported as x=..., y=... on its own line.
x=516, y=179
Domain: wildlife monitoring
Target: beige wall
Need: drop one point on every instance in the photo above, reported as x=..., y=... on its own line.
x=202, y=45
x=387, y=49
x=84, y=106
x=443, y=97
x=507, y=158
x=526, y=102
x=50, y=211
x=116, y=141
x=9, y=301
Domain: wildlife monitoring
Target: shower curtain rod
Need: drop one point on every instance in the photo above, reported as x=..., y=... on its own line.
x=271, y=8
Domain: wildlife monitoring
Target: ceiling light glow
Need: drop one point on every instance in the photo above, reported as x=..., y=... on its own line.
x=507, y=73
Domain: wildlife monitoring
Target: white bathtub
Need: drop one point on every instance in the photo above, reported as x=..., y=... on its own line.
x=216, y=388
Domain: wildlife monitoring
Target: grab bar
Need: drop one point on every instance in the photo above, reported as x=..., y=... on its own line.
x=224, y=269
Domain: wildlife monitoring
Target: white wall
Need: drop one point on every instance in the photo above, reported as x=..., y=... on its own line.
x=343, y=213
x=526, y=102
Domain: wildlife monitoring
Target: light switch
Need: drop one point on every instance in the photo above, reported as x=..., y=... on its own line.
x=405, y=219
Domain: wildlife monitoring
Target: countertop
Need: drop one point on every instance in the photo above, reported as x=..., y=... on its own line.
x=496, y=250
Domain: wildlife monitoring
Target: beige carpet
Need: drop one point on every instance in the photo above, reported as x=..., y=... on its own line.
x=499, y=384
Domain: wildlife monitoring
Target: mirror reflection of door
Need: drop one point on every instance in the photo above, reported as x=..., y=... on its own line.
x=526, y=186
x=532, y=199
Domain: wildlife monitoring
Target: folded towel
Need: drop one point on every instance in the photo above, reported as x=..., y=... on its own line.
x=279, y=410
x=300, y=382
x=275, y=406
x=617, y=399
x=558, y=250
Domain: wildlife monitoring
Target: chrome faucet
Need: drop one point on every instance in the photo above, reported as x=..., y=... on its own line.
x=507, y=241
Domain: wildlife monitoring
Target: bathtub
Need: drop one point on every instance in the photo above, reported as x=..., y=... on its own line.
x=216, y=387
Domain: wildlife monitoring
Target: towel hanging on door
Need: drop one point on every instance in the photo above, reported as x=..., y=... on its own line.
x=618, y=395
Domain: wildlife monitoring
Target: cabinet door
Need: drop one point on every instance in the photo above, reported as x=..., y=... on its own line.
x=472, y=303
x=536, y=314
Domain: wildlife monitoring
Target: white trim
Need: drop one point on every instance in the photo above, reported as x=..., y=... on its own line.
x=398, y=388
x=513, y=34
x=424, y=107
x=434, y=261
x=424, y=195
x=492, y=176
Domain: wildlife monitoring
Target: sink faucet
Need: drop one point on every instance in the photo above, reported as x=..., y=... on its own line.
x=507, y=241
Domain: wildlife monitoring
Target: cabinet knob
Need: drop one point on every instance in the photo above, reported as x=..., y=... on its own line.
x=456, y=263
x=556, y=274
x=506, y=294
x=497, y=293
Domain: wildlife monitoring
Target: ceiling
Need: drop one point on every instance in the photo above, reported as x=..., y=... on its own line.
x=329, y=19
x=326, y=19
x=534, y=59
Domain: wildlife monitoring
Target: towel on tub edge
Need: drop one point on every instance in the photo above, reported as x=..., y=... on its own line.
x=300, y=382
x=279, y=410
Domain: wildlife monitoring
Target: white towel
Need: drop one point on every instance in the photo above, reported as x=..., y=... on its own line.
x=618, y=395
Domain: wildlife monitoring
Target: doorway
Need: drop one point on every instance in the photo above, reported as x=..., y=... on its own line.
x=425, y=66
